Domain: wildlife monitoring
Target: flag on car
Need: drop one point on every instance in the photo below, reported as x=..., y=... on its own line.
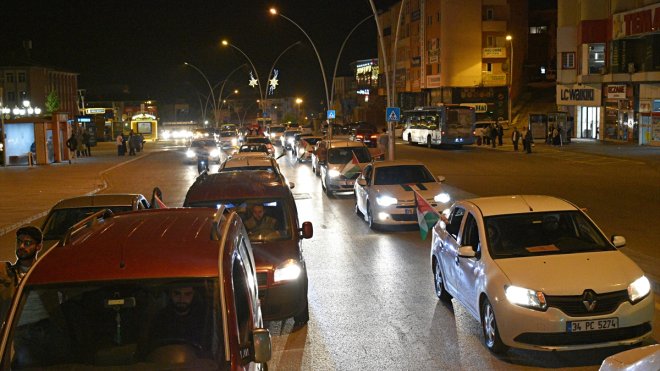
x=427, y=216
x=352, y=167
x=156, y=201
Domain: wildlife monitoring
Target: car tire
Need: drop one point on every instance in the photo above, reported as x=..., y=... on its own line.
x=439, y=284
x=410, y=140
x=490, y=330
x=302, y=317
x=370, y=218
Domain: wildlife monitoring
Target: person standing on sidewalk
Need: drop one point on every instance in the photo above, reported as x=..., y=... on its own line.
x=493, y=135
x=120, y=145
x=28, y=244
x=131, y=143
x=72, y=145
x=515, y=136
x=500, y=132
x=527, y=140
x=88, y=148
x=383, y=143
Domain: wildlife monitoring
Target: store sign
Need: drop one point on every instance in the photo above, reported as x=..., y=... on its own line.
x=638, y=21
x=578, y=95
x=498, y=52
x=616, y=92
x=433, y=81
x=94, y=111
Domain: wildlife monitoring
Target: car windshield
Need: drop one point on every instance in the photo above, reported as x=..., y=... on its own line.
x=345, y=154
x=131, y=324
x=202, y=143
x=253, y=148
x=402, y=174
x=532, y=234
x=61, y=220
x=264, y=219
x=277, y=129
x=227, y=134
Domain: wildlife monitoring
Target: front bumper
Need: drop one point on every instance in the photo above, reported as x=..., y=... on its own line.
x=280, y=301
x=403, y=213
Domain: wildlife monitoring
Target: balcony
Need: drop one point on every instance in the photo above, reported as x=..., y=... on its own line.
x=493, y=26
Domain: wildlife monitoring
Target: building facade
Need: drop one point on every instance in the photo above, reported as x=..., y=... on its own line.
x=609, y=68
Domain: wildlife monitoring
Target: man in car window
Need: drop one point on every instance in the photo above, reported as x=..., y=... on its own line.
x=259, y=223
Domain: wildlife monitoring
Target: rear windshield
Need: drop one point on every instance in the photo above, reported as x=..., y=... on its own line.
x=61, y=220
x=345, y=154
x=150, y=324
x=258, y=140
x=277, y=129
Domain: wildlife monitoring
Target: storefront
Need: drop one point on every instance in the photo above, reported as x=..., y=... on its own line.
x=583, y=102
x=649, y=115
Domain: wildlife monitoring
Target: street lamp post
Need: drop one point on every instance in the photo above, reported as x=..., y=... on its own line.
x=509, y=38
x=298, y=103
x=215, y=108
x=256, y=74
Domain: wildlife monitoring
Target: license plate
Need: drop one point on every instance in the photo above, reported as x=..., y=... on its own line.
x=409, y=211
x=592, y=325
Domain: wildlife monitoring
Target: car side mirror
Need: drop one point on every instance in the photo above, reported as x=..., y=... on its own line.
x=440, y=178
x=261, y=343
x=618, y=241
x=362, y=182
x=466, y=251
x=292, y=185
x=307, y=230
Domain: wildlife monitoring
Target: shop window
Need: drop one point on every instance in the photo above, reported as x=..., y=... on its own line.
x=568, y=60
x=596, y=58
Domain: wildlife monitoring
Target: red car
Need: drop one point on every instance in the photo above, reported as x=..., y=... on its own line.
x=153, y=289
x=269, y=212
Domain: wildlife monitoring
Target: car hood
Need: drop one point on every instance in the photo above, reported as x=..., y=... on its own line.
x=571, y=274
x=270, y=254
x=404, y=192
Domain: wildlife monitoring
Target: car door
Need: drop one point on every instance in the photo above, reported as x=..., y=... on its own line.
x=361, y=193
x=449, y=250
x=467, y=272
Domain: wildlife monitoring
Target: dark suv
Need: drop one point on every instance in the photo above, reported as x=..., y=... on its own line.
x=269, y=212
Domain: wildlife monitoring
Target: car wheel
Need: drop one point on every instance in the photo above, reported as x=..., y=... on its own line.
x=410, y=140
x=428, y=142
x=491, y=332
x=301, y=318
x=440, y=290
x=370, y=218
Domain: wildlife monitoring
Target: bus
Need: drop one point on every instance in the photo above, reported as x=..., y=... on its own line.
x=145, y=124
x=446, y=124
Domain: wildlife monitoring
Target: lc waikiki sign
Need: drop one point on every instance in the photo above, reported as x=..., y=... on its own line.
x=578, y=95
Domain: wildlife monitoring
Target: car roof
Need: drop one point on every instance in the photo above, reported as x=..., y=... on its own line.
x=110, y=199
x=236, y=184
x=387, y=163
x=241, y=161
x=520, y=204
x=145, y=244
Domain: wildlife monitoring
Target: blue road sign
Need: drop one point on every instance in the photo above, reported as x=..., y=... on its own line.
x=331, y=114
x=393, y=114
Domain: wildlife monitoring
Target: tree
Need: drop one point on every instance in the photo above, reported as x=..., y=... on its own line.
x=52, y=102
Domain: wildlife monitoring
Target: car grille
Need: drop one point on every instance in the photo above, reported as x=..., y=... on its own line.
x=574, y=305
x=404, y=217
x=581, y=338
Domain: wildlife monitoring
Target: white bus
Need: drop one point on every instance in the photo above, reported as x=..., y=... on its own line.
x=446, y=124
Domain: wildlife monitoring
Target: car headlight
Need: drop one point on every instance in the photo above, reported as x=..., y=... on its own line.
x=190, y=153
x=287, y=271
x=290, y=140
x=525, y=297
x=639, y=289
x=442, y=198
x=334, y=173
x=214, y=153
x=234, y=141
x=384, y=200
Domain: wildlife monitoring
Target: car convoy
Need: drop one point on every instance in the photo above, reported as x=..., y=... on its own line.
x=534, y=271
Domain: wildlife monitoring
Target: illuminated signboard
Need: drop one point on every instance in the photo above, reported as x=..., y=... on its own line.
x=93, y=111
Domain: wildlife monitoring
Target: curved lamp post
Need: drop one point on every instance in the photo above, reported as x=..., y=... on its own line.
x=509, y=38
x=325, y=81
x=210, y=88
x=256, y=74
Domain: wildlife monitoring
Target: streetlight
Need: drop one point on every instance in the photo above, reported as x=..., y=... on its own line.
x=509, y=38
x=256, y=74
x=215, y=108
x=298, y=103
x=274, y=11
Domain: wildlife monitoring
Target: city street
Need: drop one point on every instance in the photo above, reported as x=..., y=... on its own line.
x=371, y=295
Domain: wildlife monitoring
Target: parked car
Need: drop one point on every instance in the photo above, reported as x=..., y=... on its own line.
x=480, y=129
x=280, y=266
x=539, y=274
x=139, y=274
x=338, y=163
x=206, y=147
x=252, y=139
x=304, y=145
x=65, y=213
x=646, y=358
x=385, y=192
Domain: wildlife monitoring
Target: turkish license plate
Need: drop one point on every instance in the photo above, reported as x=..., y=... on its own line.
x=592, y=325
x=408, y=211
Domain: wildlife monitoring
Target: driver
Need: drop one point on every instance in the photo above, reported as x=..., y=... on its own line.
x=181, y=320
x=259, y=223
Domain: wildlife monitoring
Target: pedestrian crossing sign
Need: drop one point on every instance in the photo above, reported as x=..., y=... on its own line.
x=393, y=114
x=331, y=114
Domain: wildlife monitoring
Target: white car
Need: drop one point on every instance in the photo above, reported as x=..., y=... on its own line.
x=385, y=192
x=539, y=274
x=339, y=163
x=203, y=148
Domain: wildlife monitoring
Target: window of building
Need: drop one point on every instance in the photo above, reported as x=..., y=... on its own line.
x=596, y=58
x=9, y=77
x=490, y=14
x=11, y=96
x=538, y=29
x=21, y=77
x=568, y=60
x=491, y=41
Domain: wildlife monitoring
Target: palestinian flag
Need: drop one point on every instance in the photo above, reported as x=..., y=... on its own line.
x=426, y=215
x=352, y=167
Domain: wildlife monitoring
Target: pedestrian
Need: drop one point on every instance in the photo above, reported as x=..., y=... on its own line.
x=72, y=145
x=86, y=140
x=500, y=132
x=515, y=136
x=493, y=135
x=120, y=145
x=486, y=134
x=80, y=144
x=131, y=143
x=527, y=140
x=28, y=244
x=383, y=143
x=141, y=140
x=556, y=139
x=123, y=144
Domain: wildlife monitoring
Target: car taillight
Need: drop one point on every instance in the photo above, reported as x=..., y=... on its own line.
x=373, y=137
x=359, y=136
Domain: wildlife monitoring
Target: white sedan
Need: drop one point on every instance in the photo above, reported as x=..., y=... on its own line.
x=539, y=274
x=385, y=192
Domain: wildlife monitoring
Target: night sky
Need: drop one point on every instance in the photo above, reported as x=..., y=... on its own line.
x=136, y=49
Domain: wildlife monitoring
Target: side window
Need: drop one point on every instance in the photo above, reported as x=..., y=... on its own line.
x=470, y=236
x=455, y=221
